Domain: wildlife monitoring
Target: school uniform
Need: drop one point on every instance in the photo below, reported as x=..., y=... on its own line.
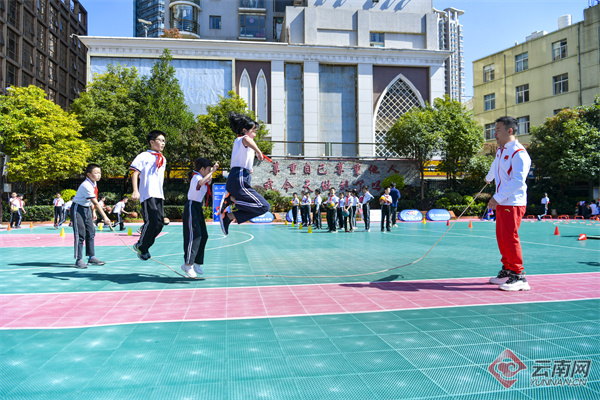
x=295, y=204
x=248, y=202
x=385, y=212
x=366, y=208
x=395, y=195
x=16, y=212
x=118, y=211
x=58, y=203
x=66, y=212
x=151, y=165
x=332, y=213
x=340, y=212
x=81, y=216
x=305, y=210
x=347, y=218
x=317, y=213
x=353, y=211
x=195, y=234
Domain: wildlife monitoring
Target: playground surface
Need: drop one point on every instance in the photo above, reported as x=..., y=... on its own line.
x=325, y=327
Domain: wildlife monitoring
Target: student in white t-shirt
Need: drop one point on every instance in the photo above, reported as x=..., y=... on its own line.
x=239, y=189
x=317, y=213
x=331, y=205
x=366, y=208
x=81, y=215
x=149, y=167
x=16, y=210
x=58, y=203
x=119, y=210
x=195, y=234
x=295, y=202
x=66, y=212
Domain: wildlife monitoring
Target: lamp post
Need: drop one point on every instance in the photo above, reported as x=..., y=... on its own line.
x=145, y=25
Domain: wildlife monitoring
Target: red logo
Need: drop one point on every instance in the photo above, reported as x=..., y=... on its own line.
x=505, y=367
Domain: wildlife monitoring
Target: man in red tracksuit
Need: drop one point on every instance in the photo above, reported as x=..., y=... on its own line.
x=509, y=173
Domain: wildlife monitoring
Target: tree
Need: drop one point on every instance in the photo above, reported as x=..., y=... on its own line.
x=108, y=113
x=42, y=140
x=163, y=107
x=414, y=136
x=216, y=125
x=566, y=148
x=462, y=137
x=171, y=33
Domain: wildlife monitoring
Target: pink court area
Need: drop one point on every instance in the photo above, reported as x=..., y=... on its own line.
x=85, y=309
x=55, y=240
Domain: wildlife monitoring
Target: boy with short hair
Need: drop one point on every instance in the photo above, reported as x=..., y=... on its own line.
x=317, y=213
x=58, y=203
x=331, y=204
x=118, y=210
x=295, y=203
x=149, y=167
x=15, y=210
x=81, y=216
x=385, y=200
x=366, y=208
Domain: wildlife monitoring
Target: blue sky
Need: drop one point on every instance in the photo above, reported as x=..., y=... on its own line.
x=489, y=25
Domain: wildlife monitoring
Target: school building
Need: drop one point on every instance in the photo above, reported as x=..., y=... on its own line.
x=328, y=78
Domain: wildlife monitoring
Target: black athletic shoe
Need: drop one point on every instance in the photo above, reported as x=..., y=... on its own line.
x=502, y=277
x=141, y=256
x=95, y=261
x=225, y=222
x=80, y=264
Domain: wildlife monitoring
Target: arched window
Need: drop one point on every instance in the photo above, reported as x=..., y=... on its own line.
x=399, y=97
x=246, y=89
x=261, y=96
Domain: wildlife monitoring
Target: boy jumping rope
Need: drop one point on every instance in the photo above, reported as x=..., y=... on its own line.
x=81, y=215
x=195, y=234
x=248, y=202
x=149, y=167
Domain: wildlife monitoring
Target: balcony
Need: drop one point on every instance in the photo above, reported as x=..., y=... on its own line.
x=253, y=5
x=196, y=2
x=186, y=27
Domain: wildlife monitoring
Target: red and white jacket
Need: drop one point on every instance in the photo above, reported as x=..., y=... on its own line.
x=509, y=172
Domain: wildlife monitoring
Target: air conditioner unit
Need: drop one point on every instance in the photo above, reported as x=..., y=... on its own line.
x=298, y=3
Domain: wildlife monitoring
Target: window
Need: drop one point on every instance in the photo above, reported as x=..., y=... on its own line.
x=53, y=46
x=39, y=65
x=558, y=110
x=28, y=26
x=523, y=125
x=489, y=102
x=214, y=22
x=490, y=130
x=13, y=13
x=488, y=73
x=252, y=26
x=561, y=83
x=11, y=75
x=185, y=18
x=522, y=93
x=521, y=62
x=13, y=46
x=377, y=39
x=252, y=3
x=27, y=56
x=52, y=80
x=559, y=49
x=41, y=9
x=41, y=37
x=25, y=79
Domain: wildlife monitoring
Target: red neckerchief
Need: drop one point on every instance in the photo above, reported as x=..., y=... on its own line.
x=160, y=159
x=95, y=187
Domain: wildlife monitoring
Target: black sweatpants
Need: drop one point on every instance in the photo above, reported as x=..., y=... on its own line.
x=58, y=211
x=83, y=230
x=367, y=215
x=295, y=214
x=195, y=234
x=385, y=216
x=332, y=219
x=317, y=217
x=154, y=221
x=119, y=221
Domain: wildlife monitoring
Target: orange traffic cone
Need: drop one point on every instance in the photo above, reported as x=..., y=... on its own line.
x=582, y=236
x=470, y=224
x=8, y=228
x=556, y=232
x=31, y=225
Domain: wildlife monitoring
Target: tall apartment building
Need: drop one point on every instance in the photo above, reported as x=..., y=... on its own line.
x=536, y=79
x=39, y=46
x=152, y=11
x=451, y=38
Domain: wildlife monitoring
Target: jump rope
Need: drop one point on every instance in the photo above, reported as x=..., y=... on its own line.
x=314, y=276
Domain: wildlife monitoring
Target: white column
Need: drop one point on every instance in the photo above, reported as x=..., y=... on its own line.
x=366, y=132
x=437, y=76
x=277, y=106
x=311, y=109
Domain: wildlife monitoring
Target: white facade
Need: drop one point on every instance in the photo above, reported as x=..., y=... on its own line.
x=339, y=78
x=451, y=38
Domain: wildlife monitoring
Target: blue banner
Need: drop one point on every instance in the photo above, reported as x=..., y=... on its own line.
x=263, y=219
x=411, y=215
x=219, y=191
x=438, y=214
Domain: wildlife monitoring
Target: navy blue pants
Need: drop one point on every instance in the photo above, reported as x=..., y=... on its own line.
x=154, y=221
x=195, y=234
x=83, y=230
x=248, y=202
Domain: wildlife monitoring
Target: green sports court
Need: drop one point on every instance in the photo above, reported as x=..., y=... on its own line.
x=282, y=313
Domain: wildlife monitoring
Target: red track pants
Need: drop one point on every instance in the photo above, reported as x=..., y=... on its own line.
x=508, y=221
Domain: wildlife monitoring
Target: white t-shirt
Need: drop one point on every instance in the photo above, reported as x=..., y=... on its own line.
x=151, y=176
x=241, y=156
x=58, y=202
x=545, y=200
x=317, y=200
x=367, y=197
x=85, y=193
x=332, y=200
x=118, y=207
x=341, y=201
x=594, y=209
x=193, y=194
x=68, y=205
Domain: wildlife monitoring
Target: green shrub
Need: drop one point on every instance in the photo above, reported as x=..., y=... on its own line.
x=175, y=198
x=398, y=179
x=454, y=198
x=442, y=203
x=174, y=212
x=32, y=213
x=112, y=198
x=476, y=210
x=467, y=200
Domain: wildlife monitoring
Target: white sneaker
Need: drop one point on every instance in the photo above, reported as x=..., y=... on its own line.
x=515, y=283
x=198, y=269
x=189, y=271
